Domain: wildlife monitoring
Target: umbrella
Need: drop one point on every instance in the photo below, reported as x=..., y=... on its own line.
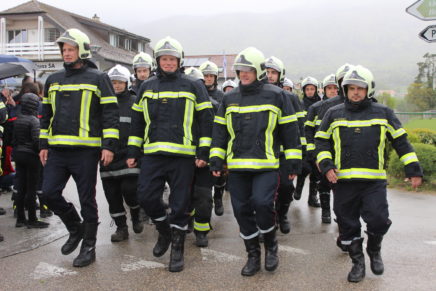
x=11, y=66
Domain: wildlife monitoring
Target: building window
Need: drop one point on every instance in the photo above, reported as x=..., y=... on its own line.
x=140, y=47
x=17, y=36
x=113, y=39
x=51, y=34
x=128, y=44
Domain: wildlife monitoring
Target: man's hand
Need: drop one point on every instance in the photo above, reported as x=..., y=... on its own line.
x=331, y=176
x=292, y=176
x=216, y=173
x=416, y=182
x=43, y=155
x=106, y=157
x=200, y=163
x=131, y=163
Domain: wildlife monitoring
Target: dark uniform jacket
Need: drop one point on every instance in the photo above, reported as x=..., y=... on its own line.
x=171, y=116
x=26, y=126
x=216, y=94
x=352, y=139
x=79, y=110
x=118, y=167
x=251, y=124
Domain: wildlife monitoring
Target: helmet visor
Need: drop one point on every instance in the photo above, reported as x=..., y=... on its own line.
x=243, y=68
x=358, y=83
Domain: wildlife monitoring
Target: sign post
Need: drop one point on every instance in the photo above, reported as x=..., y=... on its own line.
x=429, y=34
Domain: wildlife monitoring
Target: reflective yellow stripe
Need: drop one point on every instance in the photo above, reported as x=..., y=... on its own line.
x=232, y=135
x=252, y=164
x=85, y=106
x=135, y=141
x=409, y=158
x=381, y=148
x=269, y=151
x=293, y=154
x=201, y=226
x=250, y=109
x=169, y=147
x=318, y=122
x=310, y=147
x=2, y=105
x=45, y=100
x=169, y=94
x=287, y=119
x=300, y=114
x=111, y=133
x=147, y=120
x=323, y=155
x=338, y=149
x=137, y=107
x=192, y=212
x=75, y=87
x=205, y=142
x=43, y=133
x=304, y=113
x=303, y=140
x=322, y=134
x=309, y=123
x=397, y=133
x=187, y=122
x=362, y=173
x=74, y=140
x=220, y=120
x=203, y=105
x=107, y=100
x=218, y=152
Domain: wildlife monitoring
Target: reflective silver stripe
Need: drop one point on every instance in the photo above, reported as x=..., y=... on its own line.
x=125, y=119
x=179, y=227
x=409, y=158
x=160, y=218
x=134, y=207
x=249, y=236
x=118, y=214
x=179, y=149
x=322, y=134
x=252, y=163
x=122, y=172
x=268, y=230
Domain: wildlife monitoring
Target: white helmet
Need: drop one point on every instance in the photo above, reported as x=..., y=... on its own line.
x=194, y=73
x=119, y=73
x=229, y=83
x=309, y=81
x=288, y=83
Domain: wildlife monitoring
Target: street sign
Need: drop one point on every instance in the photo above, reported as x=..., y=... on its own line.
x=423, y=9
x=429, y=34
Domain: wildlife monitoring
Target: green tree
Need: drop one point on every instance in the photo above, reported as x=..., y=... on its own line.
x=386, y=99
x=427, y=70
x=423, y=97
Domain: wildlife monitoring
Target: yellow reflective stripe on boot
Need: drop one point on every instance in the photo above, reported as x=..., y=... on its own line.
x=170, y=148
x=201, y=226
x=361, y=173
x=409, y=158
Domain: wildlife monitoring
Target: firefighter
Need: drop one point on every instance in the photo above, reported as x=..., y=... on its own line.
x=79, y=127
x=228, y=85
x=210, y=73
x=310, y=96
x=288, y=85
x=275, y=73
x=251, y=124
x=351, y=144
x=330, y=87
x=143, y=66
x=172, y=125
x=119, y=181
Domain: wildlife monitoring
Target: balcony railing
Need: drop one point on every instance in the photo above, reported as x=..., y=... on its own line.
x=31, y=50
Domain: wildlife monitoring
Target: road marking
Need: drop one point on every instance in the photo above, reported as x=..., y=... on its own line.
x=134, y=263
x=45, y=271
x=292, y=250
x=220, y=257
x=429, y=242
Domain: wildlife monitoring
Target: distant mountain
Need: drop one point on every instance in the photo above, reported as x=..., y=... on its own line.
x=382, y=38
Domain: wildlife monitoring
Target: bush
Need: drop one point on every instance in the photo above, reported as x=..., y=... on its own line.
x=426, y=156
x=426, y=136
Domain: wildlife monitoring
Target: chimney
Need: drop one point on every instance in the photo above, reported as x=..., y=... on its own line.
x=96, y=18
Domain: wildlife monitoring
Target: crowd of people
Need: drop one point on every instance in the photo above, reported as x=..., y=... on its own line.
x=170, y=125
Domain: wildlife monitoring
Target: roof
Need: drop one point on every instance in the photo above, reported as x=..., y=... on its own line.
x=66, y=20
x=197, y=60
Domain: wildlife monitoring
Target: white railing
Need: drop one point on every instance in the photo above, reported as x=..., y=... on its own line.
x=32, y=49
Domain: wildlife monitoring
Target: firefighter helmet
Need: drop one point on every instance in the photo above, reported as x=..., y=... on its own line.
x=194, y=73
x=361, y=77
x=143, y=60
x=168, y=46
x=330, y=80
x=276, y=64
x=209, y=68
x=76, y=38
x=309, y=81
x=250, y=58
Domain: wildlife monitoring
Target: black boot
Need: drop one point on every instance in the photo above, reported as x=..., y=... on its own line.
x=218, y=200
x=201, y=240
x=271, y=249
x=137, y=224
x=44, y=211
x=87, y=250
x=253, y=263
x=177, y=250
x=325, y=207
x=299, y=187
x=313, y=195
x=373, y=249
x=72, y=221
x=357, y=272
x=122, y=232
x=164, y=239
x=344, y=248
x=282, y=217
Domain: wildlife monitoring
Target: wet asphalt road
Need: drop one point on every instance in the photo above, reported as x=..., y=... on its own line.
x=309, y=258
